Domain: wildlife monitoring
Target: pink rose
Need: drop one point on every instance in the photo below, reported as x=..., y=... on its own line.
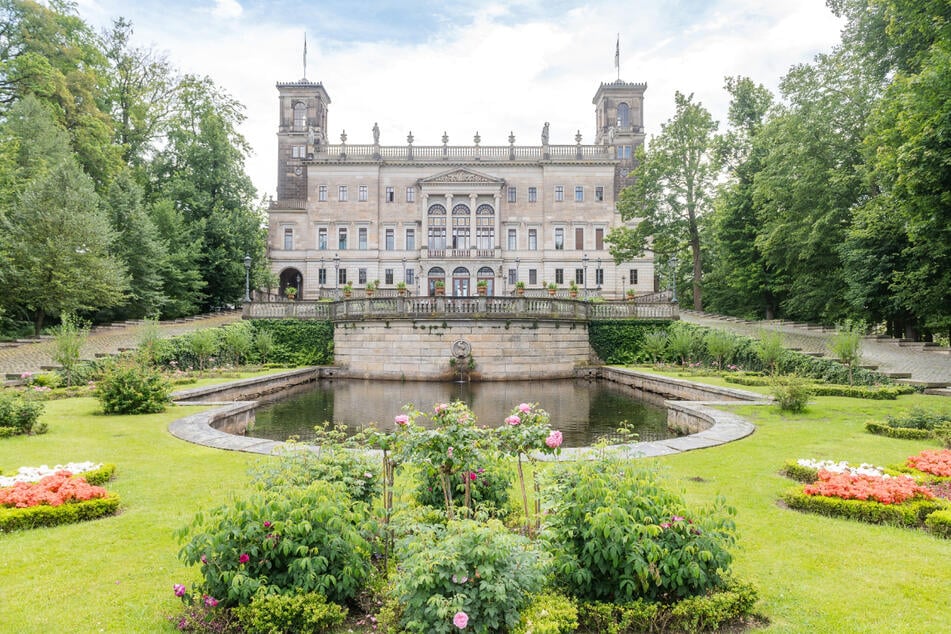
x=442, y=407
x=244, y=558
x=402, y=419
x=554, y=439
x=210, y=601
x=513, y=420
x=179, y=590
x=460, y=620
x=524, y=408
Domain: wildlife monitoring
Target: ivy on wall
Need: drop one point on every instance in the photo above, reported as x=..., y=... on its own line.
x=299, y=342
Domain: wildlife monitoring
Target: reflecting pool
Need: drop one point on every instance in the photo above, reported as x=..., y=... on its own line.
x=584, y=411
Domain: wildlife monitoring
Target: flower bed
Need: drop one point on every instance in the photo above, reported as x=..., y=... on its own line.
x=53, y=490
x=56, y=498
x=934, y=461
x=34, y=474
x=859, y=486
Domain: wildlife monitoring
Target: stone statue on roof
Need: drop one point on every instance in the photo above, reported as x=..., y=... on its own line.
x=376, y=134
x=545, y=134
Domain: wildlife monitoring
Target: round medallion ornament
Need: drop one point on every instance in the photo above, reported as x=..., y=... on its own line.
x=298, y=171
x=461, y=348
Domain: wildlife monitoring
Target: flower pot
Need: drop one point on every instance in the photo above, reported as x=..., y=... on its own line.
x=482, y=290
x=551, y=292
x=572, y=294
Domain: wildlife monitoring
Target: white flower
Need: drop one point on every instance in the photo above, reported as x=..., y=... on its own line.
x=35, y=474
x=842, y=467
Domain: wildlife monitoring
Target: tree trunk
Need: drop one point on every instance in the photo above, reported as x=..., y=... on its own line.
x=697, y=273
x=38, y=318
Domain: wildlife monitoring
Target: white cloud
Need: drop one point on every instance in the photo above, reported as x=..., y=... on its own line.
x=227, y=9
x=493, y=72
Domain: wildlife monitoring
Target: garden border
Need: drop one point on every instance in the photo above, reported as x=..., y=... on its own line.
x=707, y=426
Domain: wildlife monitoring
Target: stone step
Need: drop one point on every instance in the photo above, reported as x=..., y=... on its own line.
x=938, y=391
x=898, y=375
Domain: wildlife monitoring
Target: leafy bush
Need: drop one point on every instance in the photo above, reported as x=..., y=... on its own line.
x=623, y=342
x=791, y=393
x=617, y=534
x=69, y=338
x=795, y=471
x=283, y=541
x=35, y=516
x=19, y=415
x=910, y=513
x=356, y=472
x=712, y=611
x=770, y=349
x=942, y=433
x=877, y=393
x=489, y=488
x=483, y=570
x=133, y=389
x=655, y=345
x=101, y=475
x=289, y=614
x=918, y=419
x=631, y=617
x=939, y=523
x=681, y=343
x=298, y=342
x=720, y=345
x=846, y=346
x=549, y=613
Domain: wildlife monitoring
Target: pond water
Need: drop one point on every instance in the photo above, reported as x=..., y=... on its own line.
x=584, y=411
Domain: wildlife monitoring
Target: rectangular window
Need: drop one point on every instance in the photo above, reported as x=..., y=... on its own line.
x=362, y=194
x=390, y=239
x=512, y=240
x=624, y=151
x=599, y=194
x=322, y=276
x=322, y=238
x=579, y=239
x=533, y=276
x=390, y=195
x=322, y=193
x=410, y=194
x=288, y=239
x=579, y=194
x=342, y=239
x=579, y=276
x=559, y=276
x=533, y=239
x=411, y=239
x=342, y=195
x=599, y=276
x=513, y=276
x=513, y=195
x=361, y=276
x=533, y=194
x=342, y=276
x=599, y=239
x=362, y=238
x=559, y=193
x=388, y=276
x=633, y=278
x=299, y=151
x=410, y=276
x=559, y=238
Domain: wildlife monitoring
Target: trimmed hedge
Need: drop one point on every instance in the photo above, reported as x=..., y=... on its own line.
x=909, y=514
x=693, y=614
x=795, y=471
x=939, y=523
x=904, y=433
x=100, y=476
x=12, y=519
x=877, y=393
x=298, y=342
x=549, y=613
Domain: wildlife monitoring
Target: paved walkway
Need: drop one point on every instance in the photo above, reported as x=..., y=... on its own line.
x=110, y=339
x=912, y=362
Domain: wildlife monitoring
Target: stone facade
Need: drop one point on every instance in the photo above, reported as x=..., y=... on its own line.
x=459, y=215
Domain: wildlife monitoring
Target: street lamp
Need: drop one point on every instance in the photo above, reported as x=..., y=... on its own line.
x=597, y=275
x=518, y=261
x=673, y=275
x=336, y=271
x=247, y=279
x=584, y=279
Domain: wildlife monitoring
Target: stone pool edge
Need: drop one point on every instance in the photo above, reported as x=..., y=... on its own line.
x=708, y=426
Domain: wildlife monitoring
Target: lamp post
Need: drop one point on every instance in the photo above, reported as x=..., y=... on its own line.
x=673, y=276
x=584, y=278
x=336, y=271
x=597, y=275
x=518, y=261
x=404, y=269
x=247, y=279
x=322, y=274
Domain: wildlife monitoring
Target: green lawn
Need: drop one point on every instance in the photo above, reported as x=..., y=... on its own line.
x=814, y=574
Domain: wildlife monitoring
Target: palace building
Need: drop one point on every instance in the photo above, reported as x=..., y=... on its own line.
x=451, y=216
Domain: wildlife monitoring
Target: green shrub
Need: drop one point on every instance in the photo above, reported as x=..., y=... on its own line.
x=878, y=392
x=617, y=534
x=12, y=519
x=489, y=488
x=720, y=346
x=549, y=613
x=846, y=346
x=905, y=433
x=631, y=617
x=133, y=389
x=710, y=612
x=484, y=570
x=918, y=419
x=939, y=523
x=237, y=341
x=909, y=514
x=799, y=473
x=99, y=476
x=298, y=342
x=791, y=393
x=49, y=379
x=264, y=345
x=942, y=433
x=289, y=614
x=655, y=345
x=623, y=342
x=69, y=338
x=355, y=471
x=769, y=349
x=19, y=415
x=203, y=344
x=680, y=344
x=292, y=540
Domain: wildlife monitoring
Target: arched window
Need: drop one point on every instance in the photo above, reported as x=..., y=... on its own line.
x=460, y=281
x=485, y=227
x=300, y=116
x=437, y=228
x=460, y=227
x=436, y=274
x=623, y=115
x=487, y=275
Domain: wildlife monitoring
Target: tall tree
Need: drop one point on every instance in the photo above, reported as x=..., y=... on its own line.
x=738, y=282
x=673, y=188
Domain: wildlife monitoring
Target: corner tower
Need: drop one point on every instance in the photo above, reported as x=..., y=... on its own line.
x=301, y=132
x=619, y=108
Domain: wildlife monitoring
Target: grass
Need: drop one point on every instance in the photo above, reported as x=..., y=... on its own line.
x=814, y=574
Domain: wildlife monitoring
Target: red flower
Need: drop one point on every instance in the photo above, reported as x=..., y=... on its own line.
x=244, y=558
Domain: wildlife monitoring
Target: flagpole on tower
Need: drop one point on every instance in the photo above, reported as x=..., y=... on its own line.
x=617, y=56
x=305, y=54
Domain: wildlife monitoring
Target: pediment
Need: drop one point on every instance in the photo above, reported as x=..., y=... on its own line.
x=461, y=175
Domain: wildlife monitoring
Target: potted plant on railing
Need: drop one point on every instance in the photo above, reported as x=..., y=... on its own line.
x=572, y=290
x=291, y=292
x=631, y=294
x=482, y=287
x=552, y=289
x=440, y=287
x=371, y=287
x=519, y=288
x=347, y=289
x=401, y=288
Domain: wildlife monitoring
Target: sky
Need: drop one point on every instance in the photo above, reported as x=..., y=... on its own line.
x=467, y=66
